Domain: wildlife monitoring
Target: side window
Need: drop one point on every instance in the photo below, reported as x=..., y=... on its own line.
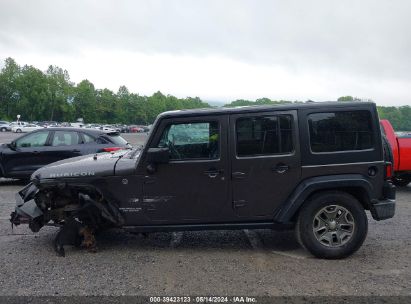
x=65, y=138
x=264, y=135
x=102, y=140
x=197, y=140
x=340, y=131
x=87, y=139
x=37, y=139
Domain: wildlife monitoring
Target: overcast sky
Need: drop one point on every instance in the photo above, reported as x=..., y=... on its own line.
x=220, y=50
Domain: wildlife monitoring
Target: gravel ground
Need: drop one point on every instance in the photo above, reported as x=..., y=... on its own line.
x=245, y=262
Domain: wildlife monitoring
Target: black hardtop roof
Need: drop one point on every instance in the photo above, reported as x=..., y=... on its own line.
x=262, y=108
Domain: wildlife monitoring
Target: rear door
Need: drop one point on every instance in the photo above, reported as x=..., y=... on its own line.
x=265, y=162
x=64, y=144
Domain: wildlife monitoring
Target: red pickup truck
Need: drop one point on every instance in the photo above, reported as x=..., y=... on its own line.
x=401, y=154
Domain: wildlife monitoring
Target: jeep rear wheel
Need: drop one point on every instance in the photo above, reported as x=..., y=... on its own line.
x=332, y=225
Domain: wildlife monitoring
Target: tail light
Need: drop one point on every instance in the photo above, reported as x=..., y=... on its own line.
x=112, y=149
x=388, y=170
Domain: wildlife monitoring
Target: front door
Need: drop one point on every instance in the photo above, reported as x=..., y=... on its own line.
x=194, y=185
x=28, y=154
x=265, y=162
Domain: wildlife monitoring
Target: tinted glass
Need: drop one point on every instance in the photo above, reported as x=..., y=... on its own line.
x=340, y=131
x=37, y=139
x=117, y=139
x=102, y=140
x=264, y=135
x=65, y=138
x=88, y=139
x=198, y=140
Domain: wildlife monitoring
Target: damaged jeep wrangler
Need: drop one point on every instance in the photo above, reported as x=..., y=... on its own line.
x=314, y=167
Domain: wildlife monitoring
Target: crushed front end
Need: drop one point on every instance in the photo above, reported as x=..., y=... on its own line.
x=27, y=211
x=79, y=209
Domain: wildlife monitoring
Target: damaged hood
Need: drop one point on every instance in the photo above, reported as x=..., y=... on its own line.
x=101, y=164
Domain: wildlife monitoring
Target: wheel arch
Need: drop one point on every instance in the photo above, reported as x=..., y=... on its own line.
x=354, y=184
x=84, y=194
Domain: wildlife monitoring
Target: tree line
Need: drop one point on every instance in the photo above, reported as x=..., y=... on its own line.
x=51, y=96
x=400, y=117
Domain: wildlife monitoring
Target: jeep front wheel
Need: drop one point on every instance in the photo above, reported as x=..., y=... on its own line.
x=332, y=225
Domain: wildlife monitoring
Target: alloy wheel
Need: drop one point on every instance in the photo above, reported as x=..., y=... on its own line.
x=333, y=226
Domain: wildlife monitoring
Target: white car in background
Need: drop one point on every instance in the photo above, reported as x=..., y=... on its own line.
x=25, y=128
x=18, y=123
x=107, y=129
x=4, y=126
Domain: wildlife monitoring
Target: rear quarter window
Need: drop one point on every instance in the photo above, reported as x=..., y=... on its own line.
x=340, y=131
x=115, y=139
x=88, y=139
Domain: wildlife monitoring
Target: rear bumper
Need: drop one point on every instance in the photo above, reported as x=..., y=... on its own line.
x=385, y=208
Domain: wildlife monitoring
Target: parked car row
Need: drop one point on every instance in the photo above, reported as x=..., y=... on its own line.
x=20, y=126
x=24, y=127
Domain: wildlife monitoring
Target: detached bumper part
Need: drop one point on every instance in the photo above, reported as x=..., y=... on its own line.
x=29, y=208
x=27, y=211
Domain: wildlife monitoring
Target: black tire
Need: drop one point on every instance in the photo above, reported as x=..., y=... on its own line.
x=3, y=129
x=306, y=223
x=400, y=182
x=18, y=131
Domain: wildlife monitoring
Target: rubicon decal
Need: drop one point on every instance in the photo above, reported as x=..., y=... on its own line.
x=72, y=174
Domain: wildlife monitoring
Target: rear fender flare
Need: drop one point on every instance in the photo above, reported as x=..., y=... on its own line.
x=307, y=187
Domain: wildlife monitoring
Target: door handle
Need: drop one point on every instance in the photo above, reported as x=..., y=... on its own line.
x=76, y=150
x=238, y=175
x=36, y=152
x=212, y=173
x=281, y=168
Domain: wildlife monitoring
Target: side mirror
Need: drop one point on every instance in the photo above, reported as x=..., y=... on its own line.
x=12, y=145
x=158, y=155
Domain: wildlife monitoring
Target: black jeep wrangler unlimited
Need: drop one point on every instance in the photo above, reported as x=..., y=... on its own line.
x=316, y=167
